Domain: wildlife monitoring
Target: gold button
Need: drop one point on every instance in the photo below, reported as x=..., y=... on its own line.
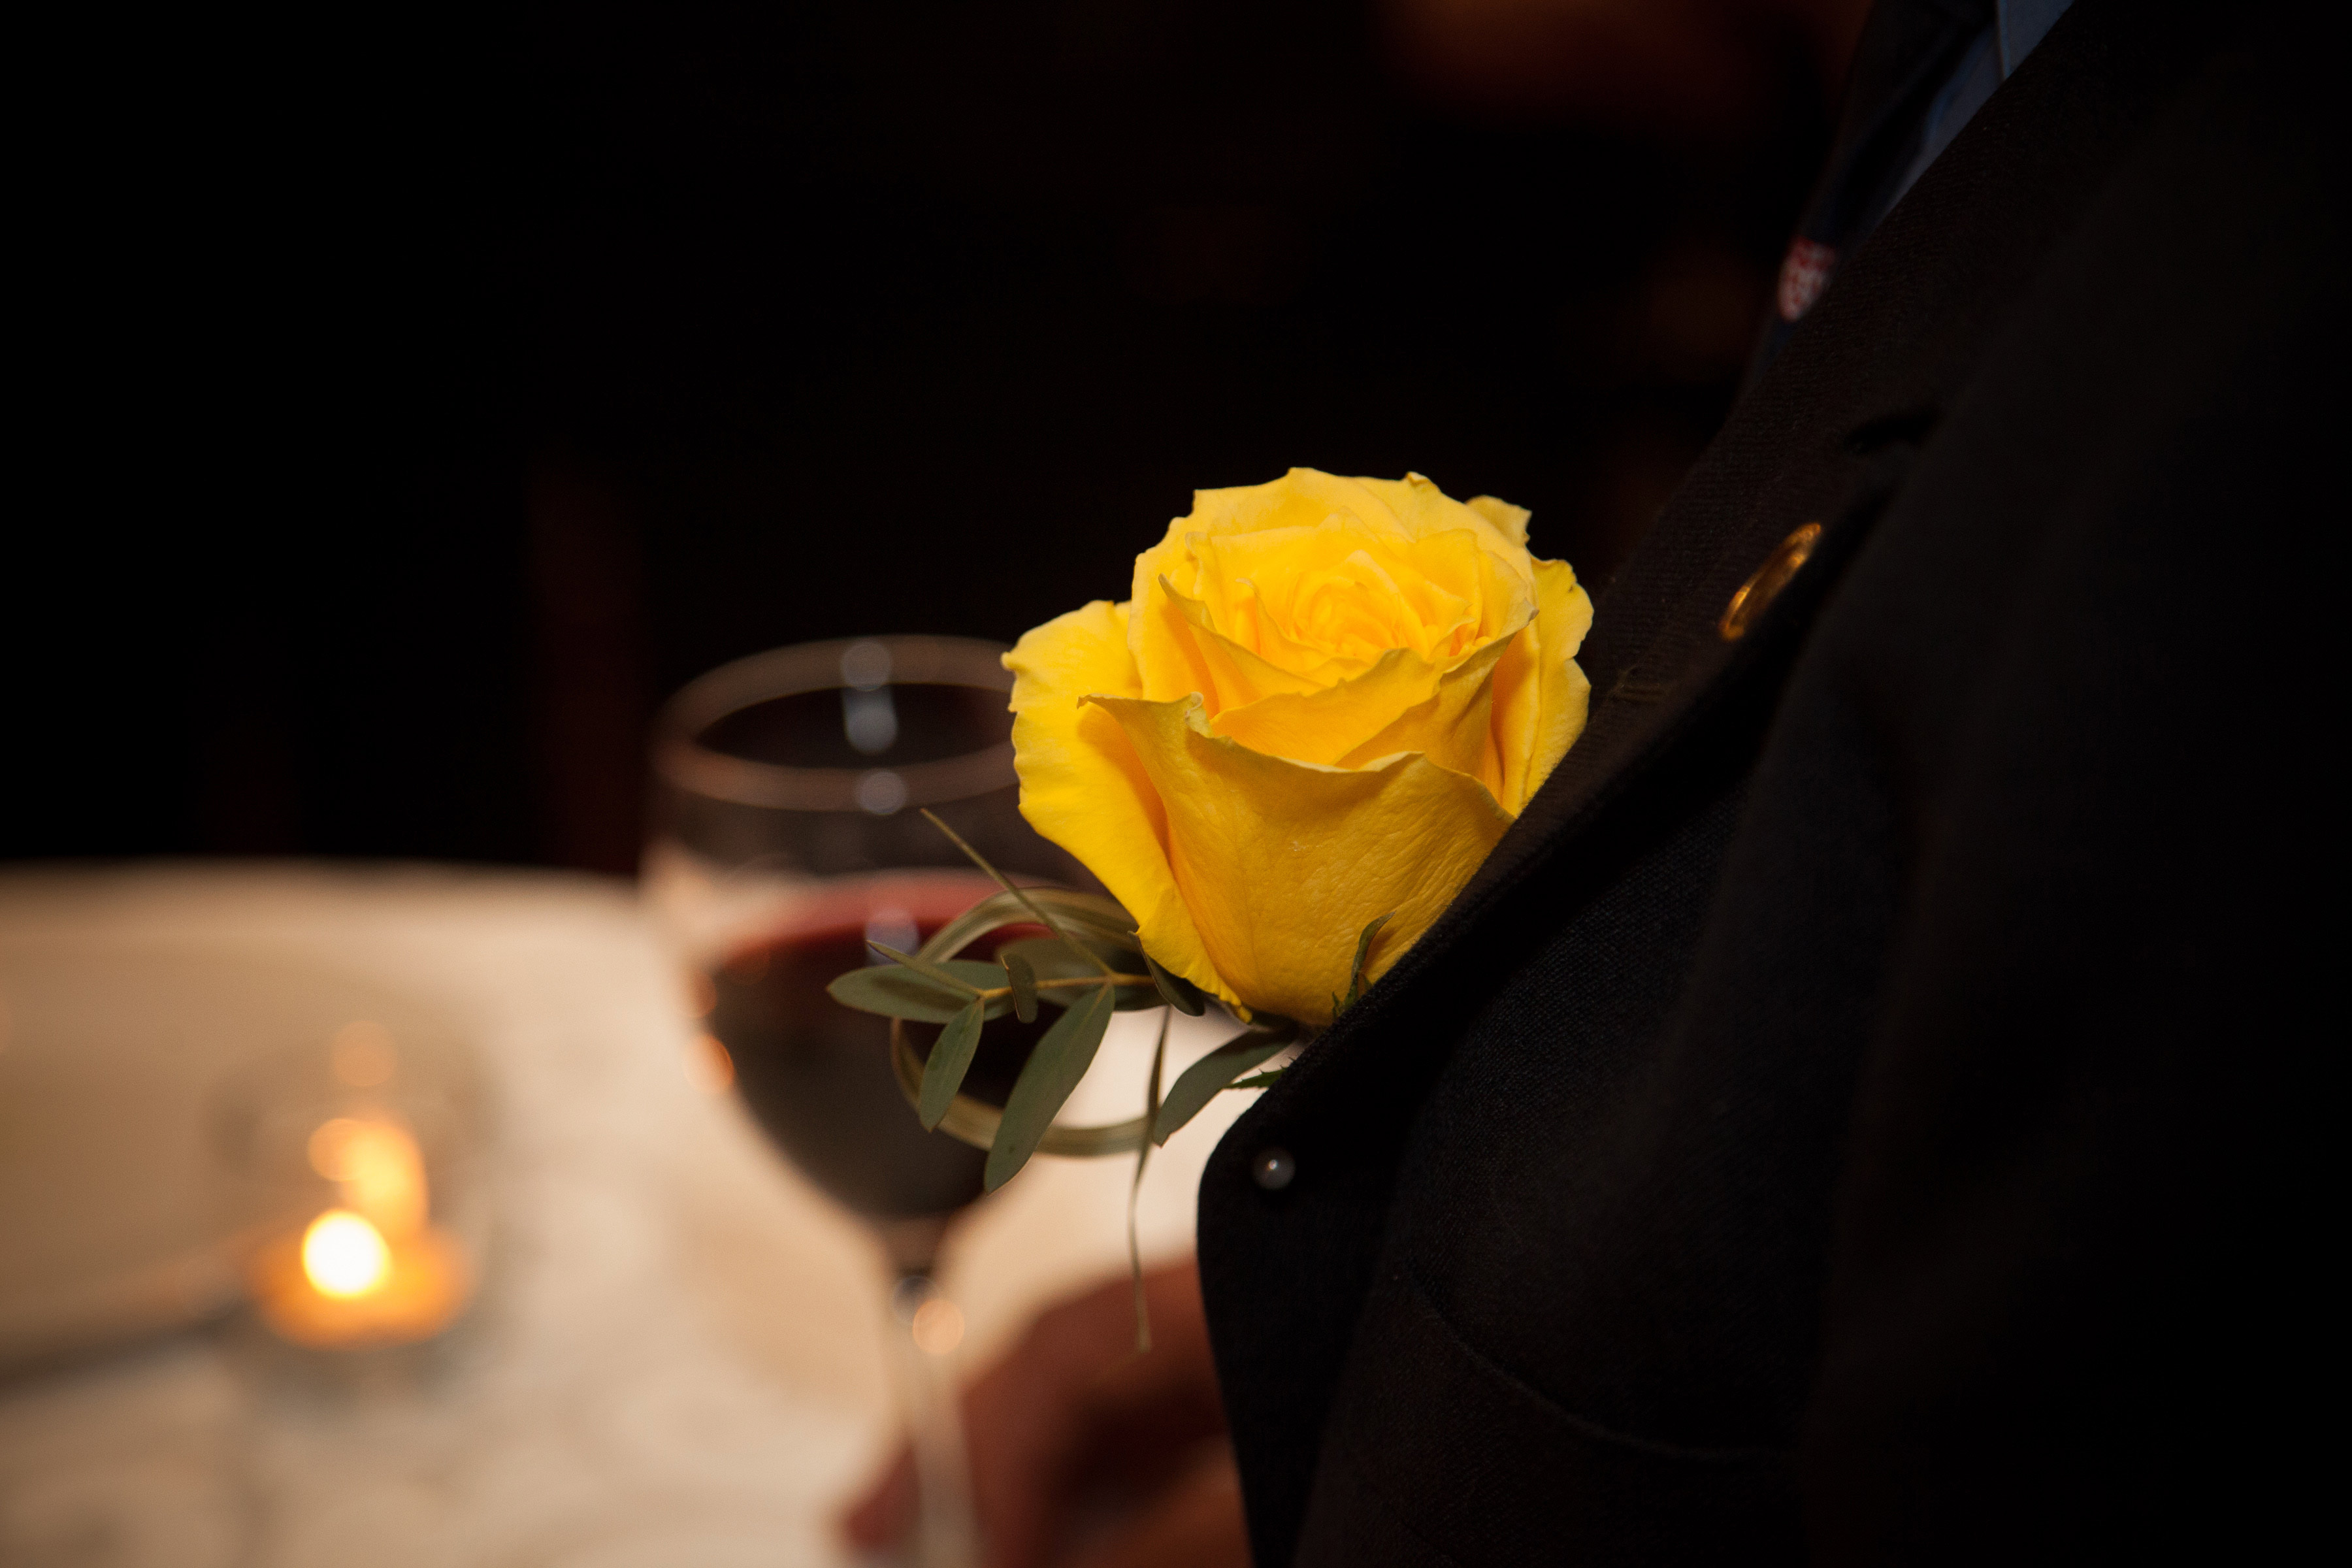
x=1756, y=594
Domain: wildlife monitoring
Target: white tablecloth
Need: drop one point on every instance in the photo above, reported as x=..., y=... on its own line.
x=675, y=1359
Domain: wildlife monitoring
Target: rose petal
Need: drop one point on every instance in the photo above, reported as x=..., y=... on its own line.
x=1453, y=726
x=1324, y=726
x=1234, y=675
x=1510, y=521
x=1243, y=509
x=1540, y=692
x=1282, y=864
x=1338, y=595
x=1251, y=584
x=1422, y=508
x=1082, y=786
x=1402, y=704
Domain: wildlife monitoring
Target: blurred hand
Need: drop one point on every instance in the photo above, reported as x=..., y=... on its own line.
x=1087, y=1453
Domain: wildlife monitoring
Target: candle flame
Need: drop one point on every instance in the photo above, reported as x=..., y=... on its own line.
x=344, y=1256
x=371, y=1269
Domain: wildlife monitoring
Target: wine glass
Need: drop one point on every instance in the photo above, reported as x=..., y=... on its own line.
x=787, y=836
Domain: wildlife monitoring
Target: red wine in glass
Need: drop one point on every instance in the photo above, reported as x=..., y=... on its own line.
x=817, y=1075
x=790, y=818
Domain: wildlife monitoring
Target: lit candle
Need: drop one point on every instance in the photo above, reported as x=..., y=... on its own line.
x=372, y=1270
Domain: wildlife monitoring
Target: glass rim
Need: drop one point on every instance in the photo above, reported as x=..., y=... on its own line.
x=681, y=761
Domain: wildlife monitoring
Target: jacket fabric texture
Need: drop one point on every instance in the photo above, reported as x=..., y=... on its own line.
x=1868, y=1107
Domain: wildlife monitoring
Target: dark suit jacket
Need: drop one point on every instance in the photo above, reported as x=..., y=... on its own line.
x=1868, y=1108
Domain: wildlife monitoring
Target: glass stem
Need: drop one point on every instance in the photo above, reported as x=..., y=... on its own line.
x=946, y=1533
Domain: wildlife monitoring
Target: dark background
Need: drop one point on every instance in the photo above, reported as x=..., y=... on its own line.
x=414, y=404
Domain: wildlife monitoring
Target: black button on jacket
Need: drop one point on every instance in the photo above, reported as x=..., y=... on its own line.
x=1871, y=1106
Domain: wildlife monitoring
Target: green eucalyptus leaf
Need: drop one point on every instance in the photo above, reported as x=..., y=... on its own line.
x=943, y=970
x=897, y=992
x=1175, y=990
x=1204, y=1080
x=1053, y=1070
x=1266, y=1080
x=1050, y=958
x=1023, y=981
x=1085, y=944
x=950, y=1059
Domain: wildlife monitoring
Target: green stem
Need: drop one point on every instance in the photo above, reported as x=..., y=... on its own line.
x=991, y=993
x=1047, y=921
x=1135, y=1188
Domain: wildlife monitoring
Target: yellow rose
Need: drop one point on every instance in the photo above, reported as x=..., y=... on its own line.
x=1324, y=703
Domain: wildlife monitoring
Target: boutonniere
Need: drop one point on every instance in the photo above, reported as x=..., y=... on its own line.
x=1283, y=754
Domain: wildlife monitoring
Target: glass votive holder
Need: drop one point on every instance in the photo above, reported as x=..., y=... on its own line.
x=364, y=1151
